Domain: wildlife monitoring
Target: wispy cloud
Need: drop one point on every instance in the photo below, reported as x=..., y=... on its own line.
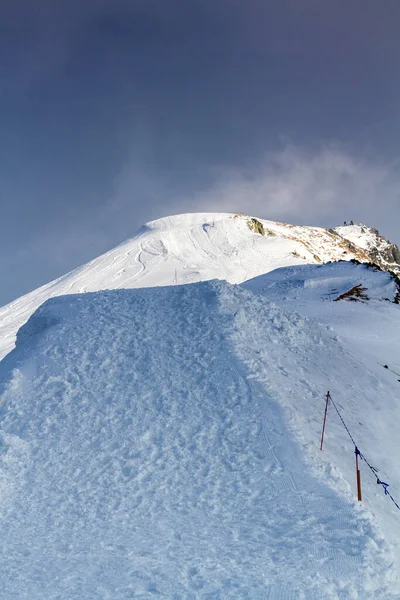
x=307, y=186
x=322, y=186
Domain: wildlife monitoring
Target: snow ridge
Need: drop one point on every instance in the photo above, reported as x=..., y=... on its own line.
x=164, y=463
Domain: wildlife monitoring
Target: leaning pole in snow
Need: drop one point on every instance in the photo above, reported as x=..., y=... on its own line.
x=323, y=426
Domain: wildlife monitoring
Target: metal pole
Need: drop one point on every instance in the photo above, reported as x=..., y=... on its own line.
x=358, y=473
x=323, y=426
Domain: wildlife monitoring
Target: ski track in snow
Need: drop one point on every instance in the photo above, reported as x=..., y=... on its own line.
x=153, y=459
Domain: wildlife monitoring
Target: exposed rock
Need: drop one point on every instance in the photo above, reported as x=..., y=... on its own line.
x=356, y=294
x=256, y=226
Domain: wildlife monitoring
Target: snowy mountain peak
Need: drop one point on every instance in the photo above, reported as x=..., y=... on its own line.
x=189, y=248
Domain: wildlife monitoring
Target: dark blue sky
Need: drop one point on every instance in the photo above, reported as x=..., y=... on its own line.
x=113, y=113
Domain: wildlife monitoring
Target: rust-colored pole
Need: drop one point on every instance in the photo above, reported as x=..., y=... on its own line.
x=358, y=473
x=323, y=426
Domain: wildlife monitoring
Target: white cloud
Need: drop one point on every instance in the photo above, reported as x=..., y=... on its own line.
x=298, y=185
x=322, y=186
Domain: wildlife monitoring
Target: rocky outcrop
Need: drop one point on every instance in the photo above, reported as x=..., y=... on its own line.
x=256, y=226
x=378, y=249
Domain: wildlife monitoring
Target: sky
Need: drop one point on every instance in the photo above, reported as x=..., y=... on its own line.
x=114, y=113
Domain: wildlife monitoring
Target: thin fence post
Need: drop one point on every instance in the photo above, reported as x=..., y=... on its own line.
x=358, y=473
x=323, y=426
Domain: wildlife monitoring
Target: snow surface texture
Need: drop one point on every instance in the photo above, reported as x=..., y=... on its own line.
x=185, y=249
x=145, y=453
x=309, y=285
x=368, y=334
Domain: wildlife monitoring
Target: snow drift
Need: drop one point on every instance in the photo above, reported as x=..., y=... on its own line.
x=148, y=448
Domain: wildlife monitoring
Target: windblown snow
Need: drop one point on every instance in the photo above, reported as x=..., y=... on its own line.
x=164, y=441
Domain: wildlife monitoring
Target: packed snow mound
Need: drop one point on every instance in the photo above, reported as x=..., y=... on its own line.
x=331, y=282
x=185, y=249
x=380, y=251
x=157, y=442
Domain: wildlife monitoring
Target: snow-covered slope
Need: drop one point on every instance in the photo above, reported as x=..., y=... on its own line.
x=185, y=249
x=165, y=443
x=364, y=379
x=379, y=249
x=305, y=285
